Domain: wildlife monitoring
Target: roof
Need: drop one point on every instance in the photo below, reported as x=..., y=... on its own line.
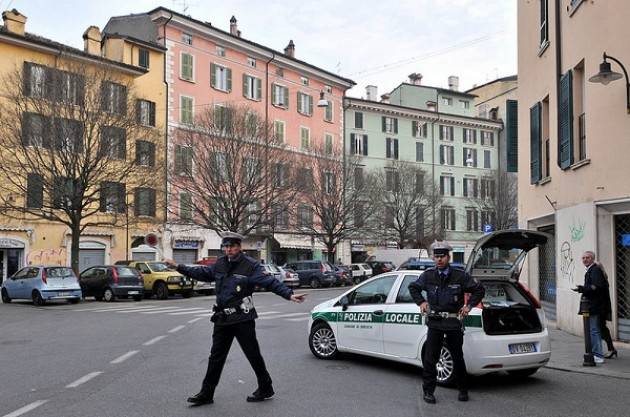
x=508, y=78
x=135, y=40
x=138, y=28
x=41, y=41
x=257, y=45
x=438, y=89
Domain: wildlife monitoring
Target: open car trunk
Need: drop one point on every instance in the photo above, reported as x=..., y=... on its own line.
x=507, y=309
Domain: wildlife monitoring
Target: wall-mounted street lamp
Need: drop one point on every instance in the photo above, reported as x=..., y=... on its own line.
x=606, y=75
x=322, y=101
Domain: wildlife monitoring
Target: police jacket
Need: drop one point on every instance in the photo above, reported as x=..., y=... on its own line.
x=446, y=294
x=235, y=281
x=596, y=290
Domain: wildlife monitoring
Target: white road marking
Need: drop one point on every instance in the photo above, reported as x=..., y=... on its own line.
x=148, y=309
x=176, y=329
x=194, y=320
x=124, y=357
x=154, y=340
x=26, y=408
x=84, y=379
x=170, y=310
x=299, y=319
x=108, y=308
x=204, y=315
x=264, y=313
x=192, y=311
x=283, y=315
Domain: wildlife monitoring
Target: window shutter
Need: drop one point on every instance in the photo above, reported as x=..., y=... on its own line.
x=121, y=197
x=151, y=150
x=245, y=89
x=442, y=160
x=102, y=195
x=442, y=131
x=178, y=159
x=35, y=191
x=414, y=128
x=486, y=159
x=465, y=185
x=286, y=97
x=228, y=76
x=310, y=105
x=274, y=98
x=442, y=185
x=139, y=111
x=451, y=154
x=465, y=151
x=137, y=200
x=395, y=125
x=512, y=135
x=139, y=146
x=258, y=89
x=358, y=120
x=474, y=157
x=365, y=145
x=451, y=135
x=565, y=121
x=424, y=130
x=388, y=142
x=484, y=184
x=151, y=211
x=395, y=148
x=353, y=138
x=535, y=143
x=384, y=123
x=452, y=185
x=26, y=79
x=121, y=135
x=476, y=188
x=213, y=75
x=299, y=103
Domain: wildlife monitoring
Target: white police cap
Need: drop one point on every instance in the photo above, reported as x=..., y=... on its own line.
x=441, y=247
x=230, y=238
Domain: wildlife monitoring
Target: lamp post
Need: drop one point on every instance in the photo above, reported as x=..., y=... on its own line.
x=606, y=75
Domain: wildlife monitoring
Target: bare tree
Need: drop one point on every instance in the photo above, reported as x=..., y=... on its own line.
x=66, y=144
x=498, y=200
x=231, y=172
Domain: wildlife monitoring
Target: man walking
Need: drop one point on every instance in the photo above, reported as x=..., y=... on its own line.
x=236, y=275
x=444, y=303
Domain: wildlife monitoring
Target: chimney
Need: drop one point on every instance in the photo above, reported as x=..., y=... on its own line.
x=14, y=21
x=92, y=40
x=385, y=98
x=290, y=49
x=453, y=83
x=234, y=28
x=415, y=78
x=371, y=92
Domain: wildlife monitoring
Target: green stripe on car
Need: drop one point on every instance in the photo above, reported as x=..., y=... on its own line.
x=387, y=318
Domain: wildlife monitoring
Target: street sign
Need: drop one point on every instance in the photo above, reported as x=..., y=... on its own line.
x=151, y=239
x=487, y=228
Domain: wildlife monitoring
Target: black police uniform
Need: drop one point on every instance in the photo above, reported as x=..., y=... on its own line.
x=445, y=294
x=234, y=315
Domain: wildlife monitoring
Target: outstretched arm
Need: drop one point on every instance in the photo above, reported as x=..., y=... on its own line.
x=269, y=282
x=200, y=273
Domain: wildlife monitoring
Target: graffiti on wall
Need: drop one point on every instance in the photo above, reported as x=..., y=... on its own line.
x=577, y=230
x=567, y=263
x=47, y=257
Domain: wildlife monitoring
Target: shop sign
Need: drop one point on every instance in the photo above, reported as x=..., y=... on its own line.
x=186, y=244
x=8, y=243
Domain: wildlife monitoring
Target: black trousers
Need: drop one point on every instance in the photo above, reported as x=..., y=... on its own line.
x=222, y=337
x=433, y=347
x=605, y=332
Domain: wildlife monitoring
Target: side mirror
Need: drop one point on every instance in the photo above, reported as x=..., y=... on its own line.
x=344, y=302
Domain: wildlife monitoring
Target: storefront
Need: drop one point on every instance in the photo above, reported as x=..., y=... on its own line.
x=11, y=256
x=186, y=251
x=293, y=247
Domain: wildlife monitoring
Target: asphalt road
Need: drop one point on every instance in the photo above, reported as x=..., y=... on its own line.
x=144, y=358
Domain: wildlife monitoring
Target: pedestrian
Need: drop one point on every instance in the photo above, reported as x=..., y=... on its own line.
x=236, y=275
x=595, y=290
x=606, y=316
x=444, y=304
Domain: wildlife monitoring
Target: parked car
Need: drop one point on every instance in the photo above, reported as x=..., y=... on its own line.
x=360, y=272
x=290, y=278
x=416, y=264
x=41, y=284
x=162, y=281
x=108, y=282
x=505, y=332
x=314, y=273
x=379, y=267
x=344, y=273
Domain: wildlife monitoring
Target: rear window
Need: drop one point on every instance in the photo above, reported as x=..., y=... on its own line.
x=59, y=272
x=126, y=272
x=503, y=294
x=496, y=258
x=327, y=267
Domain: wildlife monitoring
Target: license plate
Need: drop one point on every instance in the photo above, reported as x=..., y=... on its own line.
x=522, y=348
x=62, y=294
x=133, y=292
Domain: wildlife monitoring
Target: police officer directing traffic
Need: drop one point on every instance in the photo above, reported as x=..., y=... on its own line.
x=236, y=275
x=445, y=287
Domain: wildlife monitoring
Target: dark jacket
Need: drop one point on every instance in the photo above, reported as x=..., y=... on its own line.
x=596, y=291
x=236, y=279
x=446, y=295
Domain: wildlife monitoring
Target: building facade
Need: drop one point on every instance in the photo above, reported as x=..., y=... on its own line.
x=572, y=153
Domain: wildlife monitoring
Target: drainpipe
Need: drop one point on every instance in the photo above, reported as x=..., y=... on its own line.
x=165, y=133
x=437, y=112
x=558, y=41
x=273, y=56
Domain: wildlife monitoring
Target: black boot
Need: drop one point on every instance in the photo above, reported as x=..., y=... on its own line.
x=205, y=396
x=262, y=393
x=463, y=395
x=428, y=397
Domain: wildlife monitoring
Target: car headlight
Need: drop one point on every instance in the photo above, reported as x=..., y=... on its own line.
x=174, y=279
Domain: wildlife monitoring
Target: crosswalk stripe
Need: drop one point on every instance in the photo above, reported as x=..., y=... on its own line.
x=170, y=310
x=279, y=316
x=265, y=313
x=195, y=311
x=144, y=310
x=106, y=308
x=299, y=319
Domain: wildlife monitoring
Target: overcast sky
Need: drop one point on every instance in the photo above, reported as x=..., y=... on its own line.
x=370, y=41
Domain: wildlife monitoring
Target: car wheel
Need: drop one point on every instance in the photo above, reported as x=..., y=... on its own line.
x=445, y=367
x=74, y=300
x=522, y=373
x=38, y=300
x=137, y=298
x=161, y=291
x=5, y=296
x=322, y=342
x=108, y=295
x=314, y=283
x=187, y=294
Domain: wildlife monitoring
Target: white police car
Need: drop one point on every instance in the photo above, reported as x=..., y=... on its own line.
x=506, y=332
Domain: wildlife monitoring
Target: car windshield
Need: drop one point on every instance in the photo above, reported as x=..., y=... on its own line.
x=272, y=268
x=496, y=258
x=59, y=272
x=158, y=267
x=126, y=271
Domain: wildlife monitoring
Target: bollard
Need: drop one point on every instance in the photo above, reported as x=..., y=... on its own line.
x=588, y=349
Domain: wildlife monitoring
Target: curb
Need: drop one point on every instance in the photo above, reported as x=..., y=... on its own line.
x=586, y=371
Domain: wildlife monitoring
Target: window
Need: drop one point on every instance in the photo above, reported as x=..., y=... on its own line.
x=544, y=23
x=251, y=87
x=187, y=38
x=145, y=111
x=536, y=129
x=391, y=148
x=472, y=219
x=487, y=138
x=403, y=293
x=220, y=166
x=419, y=152
x=328, y=89
x=328, y=144
x=183, y=160
x=511, y=129
x=220, y=51
x=305, y=137
x=112, y=197
x=487, y=218
x=471, y=187
x=375, y=292
x=279, y=129
x=222, y=118
x=143, y=57
x=446, y=133
x=487, y=188
x=390, y=216
x=328, y=114
x=113, y=97
x=305, y=216
x=304, y=179
x=447, y=185
x=304, y=80
x=486, y=159
x=37, y=80
x=358, y=144
x=447, y=155
x=144, y=202
x=469, y=157
x=447, y=218
x=113, y=142
x=220, y=78
x=447, y=101
x=281, y=216
x=251, y=62
x=145, y=153
x=358, y=178
x=69, y=88
x=329, y=182
x=281, y=175
x=358, y=120
x=305, y=104
x=34, y=191
x=251, y=169
x=464, y=103
x=359, y=214
x=63, y=192
x=280, y=96
x=187, y=67
x=392, y=180
x=418, y=129
x=35, y=130
x=469, y=136
x=67, y=135
x=186, y=110
x=185, y=207
x=389, y=124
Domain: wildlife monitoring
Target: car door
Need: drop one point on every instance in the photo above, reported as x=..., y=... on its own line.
x=85, y=280
x=403, y=327
x=99, y=280
x=15, y=284
x=360, y=326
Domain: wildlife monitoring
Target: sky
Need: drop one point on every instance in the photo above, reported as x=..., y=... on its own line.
x=372, y=42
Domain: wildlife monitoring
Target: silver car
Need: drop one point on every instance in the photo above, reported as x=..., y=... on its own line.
x=41, y=284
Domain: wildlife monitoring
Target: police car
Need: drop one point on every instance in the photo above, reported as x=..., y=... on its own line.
x=505, y=332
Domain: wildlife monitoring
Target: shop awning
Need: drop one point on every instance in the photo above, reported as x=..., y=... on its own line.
x=289, y=241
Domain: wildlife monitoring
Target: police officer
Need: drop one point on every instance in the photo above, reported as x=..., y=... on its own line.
x=444, y=304
x=236, y=275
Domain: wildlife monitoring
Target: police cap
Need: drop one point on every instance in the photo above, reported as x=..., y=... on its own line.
x=231, y=238
x=441, y=248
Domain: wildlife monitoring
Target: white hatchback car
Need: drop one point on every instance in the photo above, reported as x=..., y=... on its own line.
x=360, y=272
x=507, y=331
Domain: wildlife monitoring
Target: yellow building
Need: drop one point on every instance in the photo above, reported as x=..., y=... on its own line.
x=135, y=72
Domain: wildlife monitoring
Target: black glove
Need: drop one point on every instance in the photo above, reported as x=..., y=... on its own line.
x=580, y=288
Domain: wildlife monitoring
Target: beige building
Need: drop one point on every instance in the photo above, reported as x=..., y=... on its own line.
x=573, y=153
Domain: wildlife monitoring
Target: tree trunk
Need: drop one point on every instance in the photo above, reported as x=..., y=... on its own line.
x=74, y=248
x=331, y=254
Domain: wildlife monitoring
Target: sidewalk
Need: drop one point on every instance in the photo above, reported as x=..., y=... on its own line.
x=567, y=353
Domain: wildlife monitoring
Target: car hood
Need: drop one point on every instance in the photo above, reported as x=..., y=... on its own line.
x=500, y=255
x=326, y=304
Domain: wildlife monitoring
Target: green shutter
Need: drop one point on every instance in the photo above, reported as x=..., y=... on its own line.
x=178, y=159
x=565, y=121
x=535, y=144
x=274, y=100
x=228, y=74
x=213, y=75
x=395, y=125
x=299, y=103
x=286, y=97
x=414, y=128
x=310, y=105
x=383, y=123
x=245, y=86
x=512, y=135
x=258, y=89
